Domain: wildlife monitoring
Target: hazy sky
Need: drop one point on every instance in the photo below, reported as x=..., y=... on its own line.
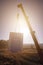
x=8, y=18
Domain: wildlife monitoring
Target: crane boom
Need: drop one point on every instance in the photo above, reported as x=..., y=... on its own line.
x=32, y=33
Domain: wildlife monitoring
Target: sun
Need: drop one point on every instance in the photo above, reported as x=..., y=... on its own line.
x=22, y=27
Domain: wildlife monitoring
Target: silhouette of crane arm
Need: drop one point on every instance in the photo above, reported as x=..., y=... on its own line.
x=32, y=33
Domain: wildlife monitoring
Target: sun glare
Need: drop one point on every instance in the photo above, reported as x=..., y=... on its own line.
x=22, y=27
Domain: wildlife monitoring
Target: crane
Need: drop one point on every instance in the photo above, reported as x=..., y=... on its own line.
x=32, y=33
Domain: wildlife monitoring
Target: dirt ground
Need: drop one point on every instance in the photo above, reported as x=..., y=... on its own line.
x=24, y=57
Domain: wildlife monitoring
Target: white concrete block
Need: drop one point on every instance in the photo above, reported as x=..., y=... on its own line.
x=15, y=41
